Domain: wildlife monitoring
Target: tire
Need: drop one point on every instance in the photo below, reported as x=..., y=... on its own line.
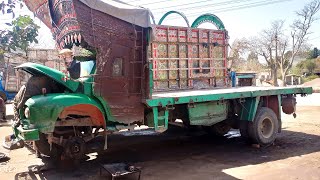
x=264, y=129
x=43, y=147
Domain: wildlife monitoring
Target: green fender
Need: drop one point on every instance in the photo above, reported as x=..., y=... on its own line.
x=45, y=109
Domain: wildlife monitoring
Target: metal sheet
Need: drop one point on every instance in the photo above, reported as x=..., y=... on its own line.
x=120, y=59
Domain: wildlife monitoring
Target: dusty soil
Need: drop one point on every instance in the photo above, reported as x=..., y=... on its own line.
x=178, y=154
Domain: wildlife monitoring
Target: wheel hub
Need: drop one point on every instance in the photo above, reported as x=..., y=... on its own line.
x=266, y=128
x=75, y=147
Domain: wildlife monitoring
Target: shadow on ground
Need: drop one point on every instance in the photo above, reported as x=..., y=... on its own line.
x=181, y=155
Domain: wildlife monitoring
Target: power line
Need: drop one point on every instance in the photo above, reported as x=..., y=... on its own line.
x=157, y=2
x=207, y=5
x=132, y=1
x=315, y=38
x=233, y=8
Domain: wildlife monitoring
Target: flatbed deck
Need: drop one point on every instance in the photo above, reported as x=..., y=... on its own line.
x=187, y=96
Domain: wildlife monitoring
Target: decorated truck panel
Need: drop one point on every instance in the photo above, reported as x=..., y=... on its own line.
x=188, y=58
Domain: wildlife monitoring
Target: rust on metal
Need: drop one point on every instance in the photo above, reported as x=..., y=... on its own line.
x=272, y=103
x=288, y=105
x=121, y=56
x=120, y=46
x=84, y=110
x=75, y=122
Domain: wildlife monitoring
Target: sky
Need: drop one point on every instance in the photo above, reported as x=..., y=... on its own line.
x=242, y=18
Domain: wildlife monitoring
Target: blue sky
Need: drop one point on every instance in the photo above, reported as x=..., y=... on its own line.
x=240, y=23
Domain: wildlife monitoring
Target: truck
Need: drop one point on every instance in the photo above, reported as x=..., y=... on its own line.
x=10, y=81
x=142, y=73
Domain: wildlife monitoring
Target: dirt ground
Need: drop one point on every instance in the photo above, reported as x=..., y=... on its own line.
x=182, y=155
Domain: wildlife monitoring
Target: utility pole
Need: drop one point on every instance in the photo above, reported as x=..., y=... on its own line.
x=275, y=65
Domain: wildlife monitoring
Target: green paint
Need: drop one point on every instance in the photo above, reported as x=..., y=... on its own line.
x=208, y=114
x=44, y=110
x=174, y=12
x=221, y=96
x=151, y=85
x=249, y=108
x=160, y=119
x=155, y=118
x=208, y=18
x=245, y=76
x=56, y=75
x=26, y=135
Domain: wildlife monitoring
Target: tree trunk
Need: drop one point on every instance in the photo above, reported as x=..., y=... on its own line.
x=284, y=80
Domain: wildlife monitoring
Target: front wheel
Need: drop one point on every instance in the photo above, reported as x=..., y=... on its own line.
x=264, y=129
x=43, y=147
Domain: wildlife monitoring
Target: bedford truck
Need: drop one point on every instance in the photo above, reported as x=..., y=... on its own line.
x=143, y=73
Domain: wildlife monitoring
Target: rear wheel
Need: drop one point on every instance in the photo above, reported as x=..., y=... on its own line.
x=264, y=129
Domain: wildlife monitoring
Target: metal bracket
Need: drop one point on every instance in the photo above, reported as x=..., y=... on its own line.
x=170, y=107
x=191, y=104
x=241, y=100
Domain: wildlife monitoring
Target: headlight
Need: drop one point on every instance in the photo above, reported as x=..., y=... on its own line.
x=27, y=112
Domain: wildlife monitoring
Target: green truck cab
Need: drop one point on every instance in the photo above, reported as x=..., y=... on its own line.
x=142, y=74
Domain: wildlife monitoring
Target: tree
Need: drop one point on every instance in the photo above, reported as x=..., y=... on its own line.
x=268, y=46
x=8, y=6
x=24, y=31
x=280, y=50
x=311, y=66
x=252, y=63
x=238, y=48
x=299, y=33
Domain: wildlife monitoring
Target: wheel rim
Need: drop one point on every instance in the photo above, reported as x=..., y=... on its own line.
x=266, y=128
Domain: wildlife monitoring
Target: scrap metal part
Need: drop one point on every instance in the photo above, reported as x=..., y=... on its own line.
x=12, y=143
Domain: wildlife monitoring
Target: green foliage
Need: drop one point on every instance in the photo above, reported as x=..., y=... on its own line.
x=8, y=6
x=307, y=66
x=310, y=78
x=310, y=66
x=24, y=31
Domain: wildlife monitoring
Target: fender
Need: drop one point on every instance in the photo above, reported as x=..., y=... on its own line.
x=46, y=109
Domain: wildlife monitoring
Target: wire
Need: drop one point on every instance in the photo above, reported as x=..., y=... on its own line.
x=157, y=2
x=314, y=38
x=233, y=8
x=215, y=4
